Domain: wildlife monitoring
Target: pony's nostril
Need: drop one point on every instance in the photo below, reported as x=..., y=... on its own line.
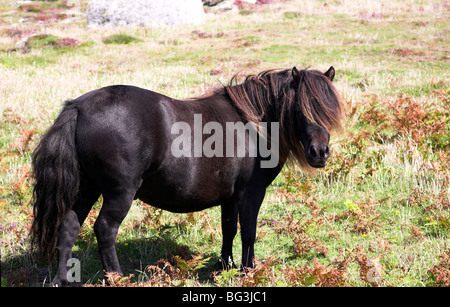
x=313, y=151
x=319, y=152
x=322, y=154
x=325, y=153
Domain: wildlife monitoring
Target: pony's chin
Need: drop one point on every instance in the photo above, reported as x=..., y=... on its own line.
x=317, y=164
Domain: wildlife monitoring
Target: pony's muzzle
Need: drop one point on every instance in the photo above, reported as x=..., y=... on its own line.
x=317, y=155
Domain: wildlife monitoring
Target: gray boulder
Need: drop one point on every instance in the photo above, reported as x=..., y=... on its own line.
x=147, y=13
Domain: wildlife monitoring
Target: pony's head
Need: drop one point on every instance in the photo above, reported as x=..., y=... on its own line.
x=317, y=111
x=304, y=102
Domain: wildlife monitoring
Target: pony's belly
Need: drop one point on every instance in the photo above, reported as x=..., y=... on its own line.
x=176, y=205
x=182, y=199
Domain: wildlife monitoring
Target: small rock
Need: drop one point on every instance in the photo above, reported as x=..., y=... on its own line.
x=222, y=6
x=211, y=2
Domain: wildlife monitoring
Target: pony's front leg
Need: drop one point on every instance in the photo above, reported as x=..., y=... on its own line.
x=248, y=214
x=115, y=208
x=229, y=230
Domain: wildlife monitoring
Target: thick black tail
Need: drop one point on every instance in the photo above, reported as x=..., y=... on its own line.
x=57, y=179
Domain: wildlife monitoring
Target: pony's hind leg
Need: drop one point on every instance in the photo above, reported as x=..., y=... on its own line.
x=70, y=228
x=115, y=207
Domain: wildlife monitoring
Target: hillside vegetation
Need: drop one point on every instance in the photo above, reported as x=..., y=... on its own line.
x=377, y=215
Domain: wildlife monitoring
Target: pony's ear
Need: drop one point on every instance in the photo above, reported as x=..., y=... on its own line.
x=330, y=73
x=296, y=74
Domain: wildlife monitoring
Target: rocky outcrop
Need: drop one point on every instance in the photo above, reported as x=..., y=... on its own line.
x=148, y=13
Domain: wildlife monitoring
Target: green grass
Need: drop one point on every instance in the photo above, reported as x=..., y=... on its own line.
x=382, y=202
x=119, y=39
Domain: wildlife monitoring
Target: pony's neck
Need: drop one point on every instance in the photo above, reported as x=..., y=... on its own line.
x=267, y=98
x=260, y=97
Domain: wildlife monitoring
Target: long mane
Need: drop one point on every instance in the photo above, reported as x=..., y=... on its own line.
x=274, y=96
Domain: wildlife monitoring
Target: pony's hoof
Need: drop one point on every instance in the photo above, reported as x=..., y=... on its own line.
x=222, y=265
x=59, y=283
x=64, y=283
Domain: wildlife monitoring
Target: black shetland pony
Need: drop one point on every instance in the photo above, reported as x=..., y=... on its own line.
x=116, y=142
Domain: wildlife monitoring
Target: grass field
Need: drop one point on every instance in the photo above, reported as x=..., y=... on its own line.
x=377, y=215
